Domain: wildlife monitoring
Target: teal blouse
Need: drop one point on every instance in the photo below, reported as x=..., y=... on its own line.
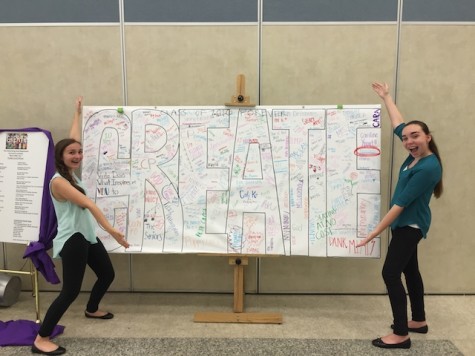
x=414, y=190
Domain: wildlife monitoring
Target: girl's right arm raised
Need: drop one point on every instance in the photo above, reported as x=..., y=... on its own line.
x=75, y=132
x=382, y=89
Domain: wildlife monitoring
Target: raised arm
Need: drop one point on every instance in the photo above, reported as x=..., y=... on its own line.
x=75, y=132
x=382, y=89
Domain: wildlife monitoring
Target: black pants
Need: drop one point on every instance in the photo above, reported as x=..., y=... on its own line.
x=402, y=258
x=77, y=252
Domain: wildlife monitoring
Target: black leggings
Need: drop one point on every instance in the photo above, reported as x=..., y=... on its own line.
x=77, y=252
x=402, y=258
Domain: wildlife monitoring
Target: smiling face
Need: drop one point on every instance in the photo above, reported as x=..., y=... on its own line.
x=72, y=156
x=416, y=141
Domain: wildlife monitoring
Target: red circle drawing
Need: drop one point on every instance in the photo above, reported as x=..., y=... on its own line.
x=367, y=151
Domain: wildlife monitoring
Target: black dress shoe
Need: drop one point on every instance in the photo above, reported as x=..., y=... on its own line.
x=59, y=351
x=422, y=330
x=106, y=316
x=402, y=345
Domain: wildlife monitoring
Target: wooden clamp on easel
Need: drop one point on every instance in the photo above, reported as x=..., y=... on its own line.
x=240, y=99
x=238, y=315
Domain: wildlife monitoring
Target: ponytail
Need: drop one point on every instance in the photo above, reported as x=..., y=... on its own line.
x=439, y=188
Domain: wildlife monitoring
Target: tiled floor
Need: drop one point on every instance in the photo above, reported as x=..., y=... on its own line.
x=164, y=315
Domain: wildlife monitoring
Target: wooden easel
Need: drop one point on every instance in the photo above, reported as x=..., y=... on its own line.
x=238, y=261
x=240, y=99
x=238, y=315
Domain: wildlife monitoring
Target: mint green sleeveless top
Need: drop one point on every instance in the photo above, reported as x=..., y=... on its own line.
x=71, y=219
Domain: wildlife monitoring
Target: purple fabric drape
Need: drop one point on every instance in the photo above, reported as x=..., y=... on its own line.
x=22, y=332
x=36, y=250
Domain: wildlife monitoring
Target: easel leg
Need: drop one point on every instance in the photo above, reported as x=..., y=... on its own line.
x=35, y=291
x=33, y=273
x=238, y=288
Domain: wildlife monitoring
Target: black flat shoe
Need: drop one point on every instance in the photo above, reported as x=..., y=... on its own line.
x=59, y=351
x=422, y=330
x=402, y=345
x=106, y=316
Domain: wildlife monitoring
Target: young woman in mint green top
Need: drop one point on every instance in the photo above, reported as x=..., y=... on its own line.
x=409, y=217
x=71, y=219
x=76, y=242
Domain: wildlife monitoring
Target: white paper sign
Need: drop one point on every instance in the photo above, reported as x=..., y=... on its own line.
x=22, y=172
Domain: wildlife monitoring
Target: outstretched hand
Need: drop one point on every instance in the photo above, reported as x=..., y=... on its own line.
x=78, y=105
x=367, y=239
x=120, y=238
x=382, y=89
x=363, y=242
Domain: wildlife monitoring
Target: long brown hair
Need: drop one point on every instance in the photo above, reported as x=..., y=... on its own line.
x=439, y=188
x=59, y=163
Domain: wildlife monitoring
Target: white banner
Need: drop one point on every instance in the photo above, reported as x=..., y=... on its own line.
x=264, y=180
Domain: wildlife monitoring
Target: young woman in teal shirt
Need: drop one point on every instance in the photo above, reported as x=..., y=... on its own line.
x=409, y=217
